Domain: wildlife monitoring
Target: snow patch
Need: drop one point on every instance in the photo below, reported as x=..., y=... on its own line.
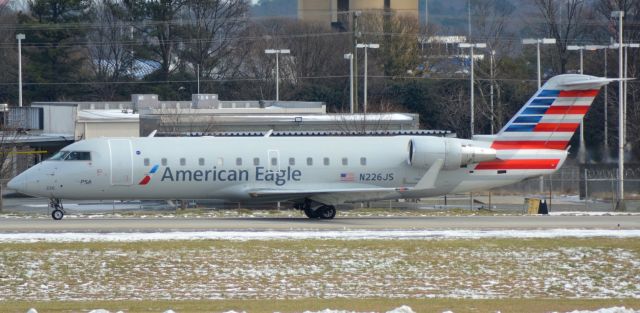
x=321, y=235
x=402, y=309
x=608, y=310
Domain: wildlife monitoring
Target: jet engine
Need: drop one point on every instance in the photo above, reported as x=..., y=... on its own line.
x=454, y=153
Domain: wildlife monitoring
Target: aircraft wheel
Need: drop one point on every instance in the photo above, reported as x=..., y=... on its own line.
x=57, y=214
x=327, y=212
x=310, y=213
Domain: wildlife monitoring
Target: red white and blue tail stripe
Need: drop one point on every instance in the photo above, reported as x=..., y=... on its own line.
x=550, y=118
x=537, y=137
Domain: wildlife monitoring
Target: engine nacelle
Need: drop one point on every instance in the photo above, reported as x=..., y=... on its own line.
x=424, y=152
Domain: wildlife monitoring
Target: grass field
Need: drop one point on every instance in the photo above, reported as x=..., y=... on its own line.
x=511, y=275
x=301, y=305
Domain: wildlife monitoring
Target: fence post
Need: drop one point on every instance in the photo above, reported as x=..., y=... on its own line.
x=586, y=190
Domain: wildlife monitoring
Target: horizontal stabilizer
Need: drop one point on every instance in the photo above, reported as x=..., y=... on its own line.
x=594, y=82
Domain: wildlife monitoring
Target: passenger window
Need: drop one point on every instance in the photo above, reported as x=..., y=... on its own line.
x=78, y=156
x=363, y=161
x=345, y=161
x=256, y=161
x=220, y=162
x=292, y=161
x=326, y=161
x=274, y=161
x=183, y=161
x=163, y=161
x=146, y=162
x=239, y=161
x=201, y=161
x=309, y=161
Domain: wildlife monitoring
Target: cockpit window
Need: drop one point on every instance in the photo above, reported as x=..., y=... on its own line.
x=59, y=156
x=78, y=156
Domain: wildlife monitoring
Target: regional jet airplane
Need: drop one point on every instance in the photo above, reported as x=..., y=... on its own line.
x=316, y=173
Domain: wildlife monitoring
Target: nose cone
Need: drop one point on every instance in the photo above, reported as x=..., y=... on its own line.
x=18, y=183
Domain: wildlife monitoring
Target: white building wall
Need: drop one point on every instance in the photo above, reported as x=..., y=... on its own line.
x=86, y=130
x=59, y=119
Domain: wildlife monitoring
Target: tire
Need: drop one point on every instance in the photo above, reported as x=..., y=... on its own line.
x=57, y=214
x=327, y=212
x=310, y=213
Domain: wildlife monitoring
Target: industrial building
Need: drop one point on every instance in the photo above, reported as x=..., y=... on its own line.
x=335, y=12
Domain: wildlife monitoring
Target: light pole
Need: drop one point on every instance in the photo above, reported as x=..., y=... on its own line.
x=366, y=46
x=20, y=37
x=349, y=56
x=606, y=96
x=277, y=52
x=620, y=206
x=471, y=46
x=493, y=54
x=537, y=42
x=582, y=148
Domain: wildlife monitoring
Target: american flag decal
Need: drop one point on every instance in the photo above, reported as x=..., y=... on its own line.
x=346, y=177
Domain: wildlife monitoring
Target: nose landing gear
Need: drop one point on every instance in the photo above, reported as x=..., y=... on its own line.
x=58, y=211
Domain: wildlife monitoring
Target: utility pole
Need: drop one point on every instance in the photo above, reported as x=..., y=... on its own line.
x=471, y=81
x=20, y=37
x=277, y=52
x=582, y=150
x=366, y=47
x=620, y=205
x=349, y=56
x=356, y=35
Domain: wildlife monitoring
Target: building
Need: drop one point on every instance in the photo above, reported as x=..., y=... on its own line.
x=71, y=121
x=335, y=12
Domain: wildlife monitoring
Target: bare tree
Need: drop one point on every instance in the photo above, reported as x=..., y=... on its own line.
x=109, y=48
x=491, y=20
x=8, y=55
x=564, y=21
x=211, y=35
x=398, y=38
x=631, y=33
x=157, y=25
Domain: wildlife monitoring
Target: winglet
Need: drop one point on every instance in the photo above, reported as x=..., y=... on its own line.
x=153, y=133
x=428, y=181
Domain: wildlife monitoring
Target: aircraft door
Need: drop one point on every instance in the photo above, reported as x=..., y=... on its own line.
x=273, y=160
x=121, y=161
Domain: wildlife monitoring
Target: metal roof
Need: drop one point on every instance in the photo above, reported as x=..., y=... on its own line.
x=327, y=133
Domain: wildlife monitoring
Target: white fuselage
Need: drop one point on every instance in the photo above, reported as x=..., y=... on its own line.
x=232, y=168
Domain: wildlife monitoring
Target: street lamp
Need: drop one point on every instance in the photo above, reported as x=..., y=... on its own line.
x=606, y=96
x=493, y=54
x=349, y=56
x=537, y=42
x=620, y=205
x=471, y=46
x=277, y=52
x=625, y=75
x=20, y=37
x=581, y=150
x=366, y=46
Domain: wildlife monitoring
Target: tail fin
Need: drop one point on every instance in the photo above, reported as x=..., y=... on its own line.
x=552, y=115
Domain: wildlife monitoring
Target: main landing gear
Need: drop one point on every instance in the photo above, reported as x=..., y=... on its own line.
x=58, y=211
x=318, y=210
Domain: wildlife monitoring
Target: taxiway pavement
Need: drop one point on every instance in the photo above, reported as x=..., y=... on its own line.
x=168, y=224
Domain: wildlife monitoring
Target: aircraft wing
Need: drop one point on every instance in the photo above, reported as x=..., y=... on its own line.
x=426, y=182
x=306, y=192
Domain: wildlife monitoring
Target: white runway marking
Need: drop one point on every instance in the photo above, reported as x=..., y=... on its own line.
x=314, y=234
